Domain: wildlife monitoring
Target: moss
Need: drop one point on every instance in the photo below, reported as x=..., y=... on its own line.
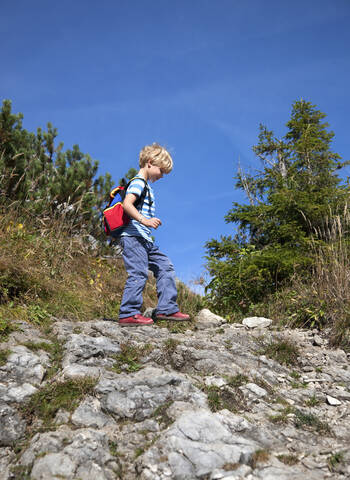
x=4, y=354
x=129, y=357
x=67, y=395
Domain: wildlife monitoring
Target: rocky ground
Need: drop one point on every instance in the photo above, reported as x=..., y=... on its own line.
x=94, y=401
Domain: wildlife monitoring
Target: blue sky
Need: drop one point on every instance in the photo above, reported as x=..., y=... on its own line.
x=197, y=76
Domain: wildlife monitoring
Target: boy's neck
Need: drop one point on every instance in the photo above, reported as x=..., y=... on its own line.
x=143, y=173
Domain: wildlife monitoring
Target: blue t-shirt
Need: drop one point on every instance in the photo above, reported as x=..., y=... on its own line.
x=134, y=228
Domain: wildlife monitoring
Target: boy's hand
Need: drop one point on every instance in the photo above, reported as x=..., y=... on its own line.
x=151, y=222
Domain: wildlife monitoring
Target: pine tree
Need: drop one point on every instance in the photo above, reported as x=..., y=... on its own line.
x=290, y=202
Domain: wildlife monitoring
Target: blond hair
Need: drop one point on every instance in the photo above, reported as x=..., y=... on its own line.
x=157, y=155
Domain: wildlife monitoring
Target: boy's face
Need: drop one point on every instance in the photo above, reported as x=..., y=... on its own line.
x=154, y=172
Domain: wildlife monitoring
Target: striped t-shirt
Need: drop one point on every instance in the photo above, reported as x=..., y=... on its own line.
x=134, y=228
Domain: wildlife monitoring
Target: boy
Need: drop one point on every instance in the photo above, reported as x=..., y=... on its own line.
x=139, y=251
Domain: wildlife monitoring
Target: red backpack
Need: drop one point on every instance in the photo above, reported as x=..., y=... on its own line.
x=114, y=217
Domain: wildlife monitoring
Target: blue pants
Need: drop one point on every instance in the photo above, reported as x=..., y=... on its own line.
x=139, y=256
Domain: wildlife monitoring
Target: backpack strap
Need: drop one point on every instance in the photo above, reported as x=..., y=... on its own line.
x=139, y=202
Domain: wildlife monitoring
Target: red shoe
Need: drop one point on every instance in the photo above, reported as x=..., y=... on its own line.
x=178, y=316
x=135, y=321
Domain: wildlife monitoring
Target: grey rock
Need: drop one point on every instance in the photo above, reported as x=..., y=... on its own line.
x=79, y=371
x=89, y=351
x=24, y=366
x=197, y=444
x=138, y=395
x=206, y=319
x=333, y=401
x=256, y=390
x=89, y=414
x=254, y=322
x=12, y=392
x=12, y=426
x=7, y=456
x=64, y=453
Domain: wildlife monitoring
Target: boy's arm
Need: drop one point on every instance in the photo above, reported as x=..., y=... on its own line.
x=132, y=211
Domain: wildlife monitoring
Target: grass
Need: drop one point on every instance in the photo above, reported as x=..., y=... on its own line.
x=335, y=460
x=67, y=395
x=237, y=380
x=4, y=356
x=281, y=350
x=220, y=398
x=288, y=459
x=47, y=272
x=260, y=456
x=160, y=414
x=301, y=419
x=128, y=359
x=6, y=327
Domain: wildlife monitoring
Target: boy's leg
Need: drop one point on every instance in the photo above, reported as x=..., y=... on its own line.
x=164, y=272
x=136, y=265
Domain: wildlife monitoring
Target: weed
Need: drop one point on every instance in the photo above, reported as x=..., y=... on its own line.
x=129, y=357
x=295, y=375
x=66, y=395
x=237, y=380
x=313, y=401
x=220, y=330
x=311, y=422
x=6, y=327
x=224, y=398
x=139, y=451
x=260, y=456
x=35, y=347
x=263, y=384
x=161, y=415
x=288, y=459
x=282, y=417
x=281, y=350
x=231, y=466
x=335, y=460
x=113, y=448
x=3, y=356
x=170, y=345
x=20, y=472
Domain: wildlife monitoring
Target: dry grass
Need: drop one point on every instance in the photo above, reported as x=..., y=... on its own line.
x=46, y=270
x=322, y=298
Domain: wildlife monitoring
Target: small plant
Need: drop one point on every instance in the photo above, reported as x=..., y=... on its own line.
x=224, y=398
x=260, y=456
x=263, y=384
x=288, y=459
x=335, y=460
x=313, y=401
x=161, y=415
x=170, y=345
x=220, y=330
x=295, y=375
x=113, y=448
x=66, y=395
x=311, y=422
x=129, y=357
x=4, y=356
x=238, y=380
x=6, y=327
x=282, y=417
x=281, y=350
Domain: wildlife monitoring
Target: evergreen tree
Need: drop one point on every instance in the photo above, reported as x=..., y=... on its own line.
x=47, y=180
x=290, y=202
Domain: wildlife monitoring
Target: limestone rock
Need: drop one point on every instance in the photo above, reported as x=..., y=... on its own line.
x=138, y=395
x=333, y=401
x=254, y=322
x=206, y=319
x=12, y=426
